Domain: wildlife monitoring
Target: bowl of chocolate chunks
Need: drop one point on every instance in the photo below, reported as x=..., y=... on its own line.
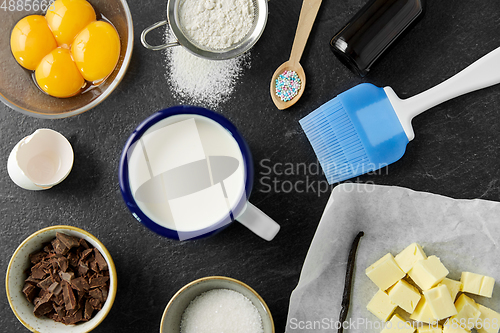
x=61, y=279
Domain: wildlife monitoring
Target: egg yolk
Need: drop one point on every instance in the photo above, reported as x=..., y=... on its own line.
x=58, y=75
x=66, y=18
x=31, y=40
x=96, y=51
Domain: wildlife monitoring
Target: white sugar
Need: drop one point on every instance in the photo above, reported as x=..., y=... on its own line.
x=202, y=82
x=221, y=311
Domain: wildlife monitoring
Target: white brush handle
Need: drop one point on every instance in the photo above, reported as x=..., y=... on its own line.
x=483, y=73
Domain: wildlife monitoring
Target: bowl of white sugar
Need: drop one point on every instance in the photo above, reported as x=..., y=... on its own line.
x=216, y=304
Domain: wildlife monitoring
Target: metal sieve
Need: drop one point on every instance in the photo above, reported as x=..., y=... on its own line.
x=259, y=23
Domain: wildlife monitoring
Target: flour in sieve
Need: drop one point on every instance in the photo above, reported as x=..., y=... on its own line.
x=216, y=24
x=197, y=81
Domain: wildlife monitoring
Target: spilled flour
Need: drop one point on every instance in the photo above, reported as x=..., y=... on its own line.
x=202, y=82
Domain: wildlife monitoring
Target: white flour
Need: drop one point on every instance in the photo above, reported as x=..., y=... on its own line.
x=202, y=82
x=216, y=24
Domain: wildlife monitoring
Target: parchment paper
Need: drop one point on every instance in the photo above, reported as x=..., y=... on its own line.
x=465, y=234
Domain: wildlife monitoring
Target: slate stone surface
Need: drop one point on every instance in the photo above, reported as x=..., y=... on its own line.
x=455, y=153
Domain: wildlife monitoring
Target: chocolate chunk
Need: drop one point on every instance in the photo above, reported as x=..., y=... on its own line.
x=52, y=255
x=54, y=265
x=97, y=294
x=73, y=318
x=101, y=262
x=55, y=275
x=30, y=291
x=59, y=298
x=47, y=247
x=73, y=259
x=52, y=315
x=85, y=254
x=81, y=295
x=93, y=265
x=82, y=269
x=84, y=243
x=37, y=271
x=105, y=292
x=44, y=293
x=68, y=241
x=59, y=247
x=89, y=309
x=58, y=290
x=80, y=284
x=45, y=284
x=59, y=311
x=42, y=305
x=42, y=308
x=53, y=287
x=46, y=266
x=95, y=303
x=69, y=296
x=36, y=257
x=67, y=276
x=32, y=280
x=72, y=313
x=98, y=281
x=63, y=263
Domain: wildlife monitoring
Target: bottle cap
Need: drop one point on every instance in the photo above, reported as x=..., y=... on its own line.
x=372, y=30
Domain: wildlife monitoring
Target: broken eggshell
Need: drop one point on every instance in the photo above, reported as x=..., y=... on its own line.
x=40, y=160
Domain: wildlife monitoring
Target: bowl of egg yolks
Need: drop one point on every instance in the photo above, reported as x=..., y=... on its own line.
x=65, y=60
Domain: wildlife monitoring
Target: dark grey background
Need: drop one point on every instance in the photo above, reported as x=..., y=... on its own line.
x=455, y=153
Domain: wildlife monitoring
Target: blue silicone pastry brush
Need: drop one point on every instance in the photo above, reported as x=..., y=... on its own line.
x=367, y=128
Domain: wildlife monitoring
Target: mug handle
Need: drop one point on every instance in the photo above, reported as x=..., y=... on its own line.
x=258, y=222
x=156, y=47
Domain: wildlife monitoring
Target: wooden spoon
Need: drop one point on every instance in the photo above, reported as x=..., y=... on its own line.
x=306, y=20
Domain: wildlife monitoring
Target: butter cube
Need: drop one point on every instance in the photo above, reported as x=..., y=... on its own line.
x=489, y=320
x=448, y=328
x=440, y=302
x=405, y=296
x=477, y=284
x=423, y=312
x=453, y=286
x=468, y=312
x=409, y=256
x=381, y=306
x=430, y=329
x=385, y=272
x=428, y=273
x=487, y=287
x=398, y=325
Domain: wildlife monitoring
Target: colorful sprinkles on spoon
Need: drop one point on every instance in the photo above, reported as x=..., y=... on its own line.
x=288, y=85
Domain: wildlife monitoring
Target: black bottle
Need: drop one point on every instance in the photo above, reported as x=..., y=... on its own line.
x=372, y=30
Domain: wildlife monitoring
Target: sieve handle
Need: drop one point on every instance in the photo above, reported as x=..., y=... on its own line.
x=258, y=222
x=156, y=47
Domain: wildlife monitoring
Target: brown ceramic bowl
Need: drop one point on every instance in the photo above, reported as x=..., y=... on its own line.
x=14, y=282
